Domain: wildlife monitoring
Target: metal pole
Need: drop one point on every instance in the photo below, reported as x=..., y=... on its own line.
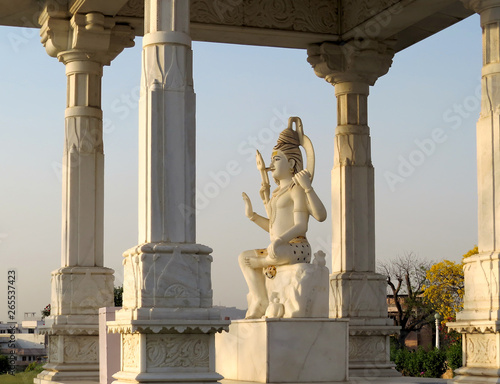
x=437, y=317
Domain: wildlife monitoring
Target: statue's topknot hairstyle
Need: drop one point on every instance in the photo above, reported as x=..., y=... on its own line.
x=289, y=144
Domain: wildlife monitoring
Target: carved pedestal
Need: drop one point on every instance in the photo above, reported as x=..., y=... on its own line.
x=479, y=322
x=361, y=297
x=480, y=346
x=73, y=326
x=167, y=323
x=284, y=351
x=163, y=351
x=166, y=275
x=72, y=357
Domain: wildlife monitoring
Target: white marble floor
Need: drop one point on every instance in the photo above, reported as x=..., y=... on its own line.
x=376, y=380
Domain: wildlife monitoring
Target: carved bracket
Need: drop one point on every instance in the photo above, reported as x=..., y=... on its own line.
x=95, y=36
x=356, y=61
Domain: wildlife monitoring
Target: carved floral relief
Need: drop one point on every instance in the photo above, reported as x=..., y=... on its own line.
x=130, y=347
x=481, y=349
x=177, y=351
x=366, y=347
x=318, y=16
x=81, y=348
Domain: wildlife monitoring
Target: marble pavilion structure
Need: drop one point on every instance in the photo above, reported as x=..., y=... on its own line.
x=350, y=44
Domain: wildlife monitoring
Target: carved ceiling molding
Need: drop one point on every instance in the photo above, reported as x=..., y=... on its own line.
x=314, y=16
x=317, y=16
x=133, y=8
x=355, y=12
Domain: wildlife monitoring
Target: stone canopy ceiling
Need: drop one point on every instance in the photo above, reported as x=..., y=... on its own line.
x=279, y=23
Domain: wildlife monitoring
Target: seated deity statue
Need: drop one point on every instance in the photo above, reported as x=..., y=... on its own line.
x=288, y=210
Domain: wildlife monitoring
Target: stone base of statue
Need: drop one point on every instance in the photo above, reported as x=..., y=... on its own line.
x=284, y=350
x=301, y=290
x=480, y=341
x=361, y=297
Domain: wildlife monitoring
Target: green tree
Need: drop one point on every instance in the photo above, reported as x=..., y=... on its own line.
x=46, y=311
x=118, y=291
x=406, y=277
x=4, y=364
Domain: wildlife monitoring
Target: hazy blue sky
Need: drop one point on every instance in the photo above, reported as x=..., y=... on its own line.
x=422, y=116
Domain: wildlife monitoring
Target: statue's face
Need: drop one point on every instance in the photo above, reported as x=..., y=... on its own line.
x=280, y=166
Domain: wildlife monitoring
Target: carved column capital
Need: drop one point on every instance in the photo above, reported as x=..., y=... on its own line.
x=90, y=36
x=488, y=9
x=356, y=61
x=480, y=5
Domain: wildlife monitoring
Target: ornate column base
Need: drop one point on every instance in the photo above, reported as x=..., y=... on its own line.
x=358, y=295
x=73, y=356
x=164, y=351
x=361, y=297
x=480, y=347
x=167, y=323
x=166, y=276
x=73, y=329
x=370, y=348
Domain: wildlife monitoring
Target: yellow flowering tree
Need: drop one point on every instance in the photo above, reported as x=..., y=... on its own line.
x=444, y=288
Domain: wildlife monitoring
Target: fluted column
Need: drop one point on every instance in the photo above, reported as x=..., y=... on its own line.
x=167, y=323
x=167, y=127
x=479, y=321
x=84, y=44
x=357, y=292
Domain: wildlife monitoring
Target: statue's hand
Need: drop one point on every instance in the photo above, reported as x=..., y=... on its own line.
x=273, y=248
x=264, y=192
x=303, y=179
x=248, y=205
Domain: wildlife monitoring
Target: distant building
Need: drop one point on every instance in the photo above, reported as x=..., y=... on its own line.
x=30, y=346
x=231, y=313
x=421, y=338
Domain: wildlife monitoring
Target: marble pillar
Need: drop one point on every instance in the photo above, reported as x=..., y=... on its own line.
x=84, y=44
x=479, y=322
x=167, y=323
x=357, y=292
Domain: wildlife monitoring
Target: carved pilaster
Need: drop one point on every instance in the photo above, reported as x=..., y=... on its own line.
x=84, y=43
x=352, y=68
x=357, y=292
x=479, y=322
x=167, y=306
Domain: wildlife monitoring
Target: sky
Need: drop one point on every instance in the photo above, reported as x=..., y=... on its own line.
x=422, y=116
